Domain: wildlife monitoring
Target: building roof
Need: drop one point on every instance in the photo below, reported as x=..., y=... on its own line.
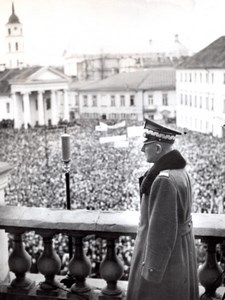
x=151, y=79
x=25, y=75
x=212, y=56
x=13, y=19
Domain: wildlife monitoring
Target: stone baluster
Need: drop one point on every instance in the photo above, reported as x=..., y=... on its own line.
x=111, y=270
x=80, y=268
x=49, y=265
x=19, y=264
x=210, y=273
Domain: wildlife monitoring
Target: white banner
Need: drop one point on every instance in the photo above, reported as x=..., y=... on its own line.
x=134, y=131
x=112, y=139
x=118, y=125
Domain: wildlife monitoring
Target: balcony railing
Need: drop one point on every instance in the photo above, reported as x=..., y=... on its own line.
x=79, y=224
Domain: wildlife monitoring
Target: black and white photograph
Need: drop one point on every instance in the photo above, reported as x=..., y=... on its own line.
x=112, y=149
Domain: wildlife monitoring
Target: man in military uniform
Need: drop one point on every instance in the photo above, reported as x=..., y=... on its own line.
x=164, y=262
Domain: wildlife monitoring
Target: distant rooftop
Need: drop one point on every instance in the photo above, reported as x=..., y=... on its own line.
x=151, y=79
x=212, y=56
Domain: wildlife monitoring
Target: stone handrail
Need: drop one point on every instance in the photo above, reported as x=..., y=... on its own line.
x=108, y=225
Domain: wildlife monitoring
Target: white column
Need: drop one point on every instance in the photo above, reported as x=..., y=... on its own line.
x=26, y=113
x=4, y=269
x=53, y=108
x=41, y=120
x=65, y=106
x=15, y=110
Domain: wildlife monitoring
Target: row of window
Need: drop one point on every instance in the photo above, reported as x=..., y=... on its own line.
x=198, y=102
x=16, y=46
x=195, y=123
x=122, y=100
x=164, y=99
x=112, y=100
x=109, y=116
x=198, y=77
x=15, y=29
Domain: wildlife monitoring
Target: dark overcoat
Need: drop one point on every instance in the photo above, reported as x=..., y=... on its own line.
x=164, y=262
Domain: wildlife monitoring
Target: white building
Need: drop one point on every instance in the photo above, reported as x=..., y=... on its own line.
x=200, y=87
x=34, y=96
x=14, y=49
x=129, y=96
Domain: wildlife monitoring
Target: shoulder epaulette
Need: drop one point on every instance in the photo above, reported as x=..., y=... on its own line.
x=164, y=173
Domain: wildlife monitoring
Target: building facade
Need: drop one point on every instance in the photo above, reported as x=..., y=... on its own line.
x=34, y=96
x=129, y=96
x=200, y=88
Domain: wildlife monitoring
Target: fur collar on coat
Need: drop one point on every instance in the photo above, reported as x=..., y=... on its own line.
x=171, y=160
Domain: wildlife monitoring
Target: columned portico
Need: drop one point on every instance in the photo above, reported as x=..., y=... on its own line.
x=26, y=106
x=15, y=110
x=54, y=115
x=41, y=120
x=66, y=106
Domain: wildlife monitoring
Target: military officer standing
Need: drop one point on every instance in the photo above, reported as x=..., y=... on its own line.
x=164, y=262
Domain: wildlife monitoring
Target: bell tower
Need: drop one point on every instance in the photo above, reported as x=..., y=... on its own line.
x=14, y=42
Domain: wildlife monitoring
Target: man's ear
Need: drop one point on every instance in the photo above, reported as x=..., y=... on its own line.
x=158, y=148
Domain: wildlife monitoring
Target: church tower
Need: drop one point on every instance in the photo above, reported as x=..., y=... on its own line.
x=14, y=42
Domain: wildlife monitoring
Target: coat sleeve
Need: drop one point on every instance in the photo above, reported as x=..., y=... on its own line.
x=162, y=230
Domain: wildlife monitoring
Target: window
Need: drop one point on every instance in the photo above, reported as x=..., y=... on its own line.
x=195, y=77
x=9, y=47
x=85, y=100
x=150, y=100
x=17, y=46
x=94, y=100
x=165, y=99
x=207, y=77
x=181, y=99
x=181, y=77
x=195, y=101
x=207, y=103
x=122, y=100
x=190, y=100
x=212, y=77
x=200, y=102
x=8, y=107
x=200, y=77
x=36, y=104
x=223, y=106
x=131, y=100
x=224, y=78
x=185, y=100
x=48, y=103
x=190, y=77
x=15, y=28
x=212, y=104
x=113, y=101
x=9, y=31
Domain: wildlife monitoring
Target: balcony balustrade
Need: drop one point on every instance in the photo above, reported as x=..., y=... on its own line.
x=79, y=224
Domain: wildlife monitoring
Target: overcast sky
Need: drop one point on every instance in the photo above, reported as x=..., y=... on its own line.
x=51, y=26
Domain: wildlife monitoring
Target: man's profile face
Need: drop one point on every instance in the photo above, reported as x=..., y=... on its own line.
x=149, y=149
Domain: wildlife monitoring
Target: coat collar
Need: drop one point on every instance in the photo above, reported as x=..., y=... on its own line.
x=171, y=160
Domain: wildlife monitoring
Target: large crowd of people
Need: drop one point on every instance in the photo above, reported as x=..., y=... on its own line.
x=101, y=177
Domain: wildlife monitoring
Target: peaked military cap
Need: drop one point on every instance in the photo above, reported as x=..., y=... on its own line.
x=157, y=132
